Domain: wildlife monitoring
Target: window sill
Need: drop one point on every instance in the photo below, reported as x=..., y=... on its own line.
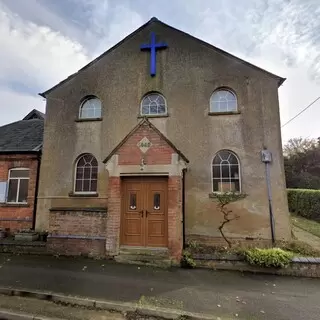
x=14, y=204
x=223, y=113
x=214, y=195
x=153, y=116
x=88, y=119
x=83, y=195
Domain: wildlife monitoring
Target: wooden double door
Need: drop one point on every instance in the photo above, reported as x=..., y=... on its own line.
x=144, y=219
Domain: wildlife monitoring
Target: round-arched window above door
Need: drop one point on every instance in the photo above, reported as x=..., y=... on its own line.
x=153, y=104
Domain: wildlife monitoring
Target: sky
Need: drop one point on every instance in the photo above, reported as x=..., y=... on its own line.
x=44, y=41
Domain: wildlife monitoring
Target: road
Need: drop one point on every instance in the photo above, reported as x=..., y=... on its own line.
x=229, y=295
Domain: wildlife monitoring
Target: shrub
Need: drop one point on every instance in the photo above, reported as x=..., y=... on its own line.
x=305, y=202
x=273, y=257
x=187, y=260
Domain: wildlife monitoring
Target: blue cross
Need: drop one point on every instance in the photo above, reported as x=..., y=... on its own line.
x=153, y=46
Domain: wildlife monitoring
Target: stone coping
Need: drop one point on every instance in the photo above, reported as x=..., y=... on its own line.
x=306, y=260
x=74, y=236
x=11, y=242
x=234, y=257
x=97, y=209
x=299, y=267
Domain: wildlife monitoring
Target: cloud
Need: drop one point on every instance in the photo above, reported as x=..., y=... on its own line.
x=36, y=54
x=281, y=36
x=32, y=58
x=14, y=105
x=45, y=41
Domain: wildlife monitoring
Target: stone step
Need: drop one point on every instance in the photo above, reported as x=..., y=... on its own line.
x=160, y=262
x=143, y=251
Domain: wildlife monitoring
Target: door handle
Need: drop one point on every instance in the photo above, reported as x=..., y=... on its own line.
x=141, y=211
x=147, y=213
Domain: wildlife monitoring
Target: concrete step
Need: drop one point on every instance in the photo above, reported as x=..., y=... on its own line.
x=143, y=251
x=159, y=262
x=158, y=257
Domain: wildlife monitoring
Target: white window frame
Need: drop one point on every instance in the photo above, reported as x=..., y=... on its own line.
x=153, y=114
x=223, y=89
x=239, y=166
x=75, y=176
x=86, y=100
x=18, y=187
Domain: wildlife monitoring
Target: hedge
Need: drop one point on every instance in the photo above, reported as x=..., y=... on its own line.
x=305, y=202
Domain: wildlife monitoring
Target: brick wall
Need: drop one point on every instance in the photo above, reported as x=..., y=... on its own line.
x=77, y=247
x=13, y=216
x=159, y=153
x=114, y=215
x=77, y=231
x=175, y=241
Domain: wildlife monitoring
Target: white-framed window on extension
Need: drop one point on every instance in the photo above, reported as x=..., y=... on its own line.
x=18, y=183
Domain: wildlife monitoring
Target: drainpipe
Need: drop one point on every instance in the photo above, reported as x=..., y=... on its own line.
x=266, y=157
x=36, y=192
x=183, y=208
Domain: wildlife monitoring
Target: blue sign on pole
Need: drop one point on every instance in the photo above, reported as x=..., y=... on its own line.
x=153, y=47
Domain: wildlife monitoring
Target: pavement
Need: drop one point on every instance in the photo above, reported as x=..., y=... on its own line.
x=45, y=310
x=224, y=294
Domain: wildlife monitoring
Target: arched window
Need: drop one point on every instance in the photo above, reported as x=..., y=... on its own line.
x=86, y=175
x=226, y=172
x=223, y=100
x=90, y=108
x=153, y=104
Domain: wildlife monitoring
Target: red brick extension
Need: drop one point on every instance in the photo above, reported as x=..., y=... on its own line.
x=82, y=228
x=159, y=153
x=16, y=216
x=75, y=232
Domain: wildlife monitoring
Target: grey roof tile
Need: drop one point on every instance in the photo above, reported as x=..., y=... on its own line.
x=24, y=135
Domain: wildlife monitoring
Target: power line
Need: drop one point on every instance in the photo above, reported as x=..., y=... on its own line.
x=307, y=107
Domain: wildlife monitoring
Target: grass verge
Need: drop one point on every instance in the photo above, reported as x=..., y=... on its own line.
x=310, y=226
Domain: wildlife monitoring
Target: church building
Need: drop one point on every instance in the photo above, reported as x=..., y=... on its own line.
x=138, y=143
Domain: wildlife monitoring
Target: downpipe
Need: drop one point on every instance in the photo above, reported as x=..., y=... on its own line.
x=266, y=158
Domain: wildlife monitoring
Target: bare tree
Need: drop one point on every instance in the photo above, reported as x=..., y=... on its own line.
x=223, y=200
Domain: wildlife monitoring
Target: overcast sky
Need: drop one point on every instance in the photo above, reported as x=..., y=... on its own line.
x=44, y=41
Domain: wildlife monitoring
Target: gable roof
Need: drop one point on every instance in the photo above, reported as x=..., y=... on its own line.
x=153, y=127
x=155, y=20
x=34, y=114
x=23, y=136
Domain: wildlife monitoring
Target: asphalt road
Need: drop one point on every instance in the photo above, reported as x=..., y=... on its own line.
x=229, y=295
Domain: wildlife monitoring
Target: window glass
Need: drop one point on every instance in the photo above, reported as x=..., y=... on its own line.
x=12, y=190
x=153, y=104
x=23, y=190
x=86, y=174
x=90, y=108
x=223, y=100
